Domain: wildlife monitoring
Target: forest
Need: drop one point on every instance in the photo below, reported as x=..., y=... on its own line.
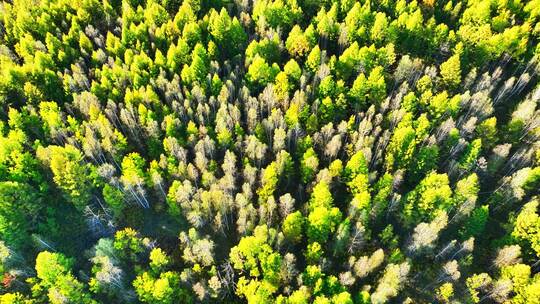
x=269, y=151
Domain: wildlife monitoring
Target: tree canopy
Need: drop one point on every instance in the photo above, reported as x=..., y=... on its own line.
x=269, y=151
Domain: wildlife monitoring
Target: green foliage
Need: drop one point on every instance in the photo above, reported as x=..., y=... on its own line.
x=321, y=223
x=260, y=73
x=227, y=33
x=451, y=71
x=527, y=227
x=431, y=195
x=269, y=151
x=299, y=43
x=487, y=131
x=128, y=243
x=158, y=259
x=278, y=13
x=476, y=223
x=20, y=207
x=69, y=171
x=321, y=196
x=133, y=170
x=55, y=280
x=470, y=155
x=309, y=165
x=293, y=226
x=255, y=255
x=162, y=290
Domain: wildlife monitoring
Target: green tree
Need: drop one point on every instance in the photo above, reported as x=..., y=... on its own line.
x=261, y=73
x=431, y=195
x=402, y=144
x=134, y=177
x=321, y=196
x=227, y=33
x=293, y=226
x=527, y=227
x=314, y=59
x=269, y=181
x=129, y=244
x=322, y=221
x=299, y=43
x=158, y=260
x=476, y=223
x=451, y=71
x=469, y=157
x=487, y=131
x=164, y=289
x=277, y=13
x=70, y=173
x=255, y=256
x=198, y=69
x=54, y=278
x=309, y=165
x=20, y=208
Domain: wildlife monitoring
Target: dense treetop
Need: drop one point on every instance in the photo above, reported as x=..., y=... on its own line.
x=269, y=151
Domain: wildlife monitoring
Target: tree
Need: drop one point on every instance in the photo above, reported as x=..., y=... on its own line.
x=390, y=282
x=425, y=234
x=382, y=190
x=163, y=290
x=476, y=223
x=487, y=131
x=134, y=178
x=70, y=173
x=55, y=279
x=198, y=69
x=380, y=30
x=277, y=13
x=128, y=244
x=52, y=117
x=445, y=292
x=293, y=226
x=327, y=25
x=377, y=85
x=269, y=181
x=177, y=55
x=527, y=226
x=260, y=73
x=507, y=256
x=475, y=283
x=12, y=298
x=255, y=255
x=365, y=265
x=468, y=159
x=431, y=195
x=523, y=285
x=228, y=34
x=321, y=196
x=441, y=105
x=267, y=49
x=309, y=165
x=158, y=259
x=321, y=222
x=109, y=278
x=314, y=59
x=451, y=71
x=402, y=144
x=356, y=165
x=18, y=213
x=198, y=250
x=299, y=43
x=425, y=162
